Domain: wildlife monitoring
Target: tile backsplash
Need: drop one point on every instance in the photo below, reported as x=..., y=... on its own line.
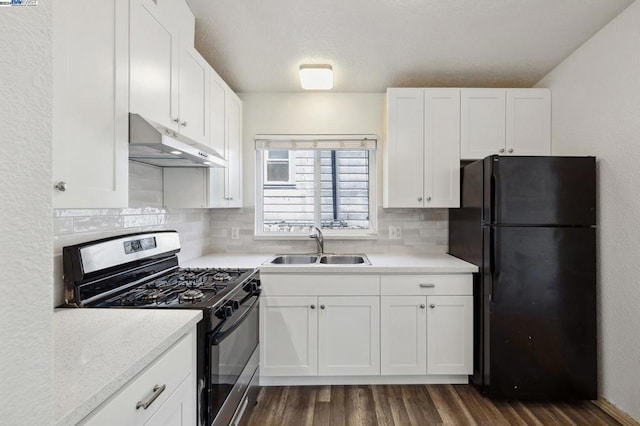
x=209, y=230
x=422, y=231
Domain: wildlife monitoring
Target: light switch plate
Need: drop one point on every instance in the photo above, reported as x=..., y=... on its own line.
x=395, y=233
x=235, y=233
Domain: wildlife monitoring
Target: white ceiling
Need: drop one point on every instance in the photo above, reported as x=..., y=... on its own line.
x=258, y=45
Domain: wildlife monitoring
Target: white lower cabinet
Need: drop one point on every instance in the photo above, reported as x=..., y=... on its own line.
x=426, y=335
x=289, y=336
x=164, y=393
x=326, y=336
x=449, y=334
x=403, y=339
x=349, y=336
x=355, y=327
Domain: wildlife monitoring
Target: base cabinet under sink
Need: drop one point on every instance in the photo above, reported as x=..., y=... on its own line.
x=359, y=328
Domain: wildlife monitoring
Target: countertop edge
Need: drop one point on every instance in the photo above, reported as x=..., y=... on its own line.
x=102, y=395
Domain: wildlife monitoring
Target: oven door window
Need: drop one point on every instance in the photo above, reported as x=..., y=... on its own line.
x=231, y=354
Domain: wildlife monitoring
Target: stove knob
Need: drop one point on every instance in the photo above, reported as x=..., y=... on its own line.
x=235, y=305
x=228, y=311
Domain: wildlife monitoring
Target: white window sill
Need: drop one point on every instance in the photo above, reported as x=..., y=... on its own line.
x=327, y=236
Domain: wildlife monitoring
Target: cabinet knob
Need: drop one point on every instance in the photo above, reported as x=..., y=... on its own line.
x=184, y=124
x=419, y=198
x=432, y=306
x=428, y=198
x=510, y=150
x=501, y=151
x=322, y=306
x=312, y=306
x=61, y=186
x=176, y=120
x=422, y=306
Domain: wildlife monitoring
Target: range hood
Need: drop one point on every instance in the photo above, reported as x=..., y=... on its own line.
x=154, y=144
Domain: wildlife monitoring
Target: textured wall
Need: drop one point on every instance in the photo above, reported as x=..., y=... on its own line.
x=26, y=348
x=72, y=226
x=596, y=111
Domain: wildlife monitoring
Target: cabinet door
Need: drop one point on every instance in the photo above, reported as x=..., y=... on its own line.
x=404, y=149
x=528, y=122
x=194, y=95
x=185, y=187
x=154, y=64
x=179, y=409
x=442, y=148
x=482, y=128
x=233, y=135
x=349, y=336
x=449, y=335
x=217, y=88
x=90, y=103
x=403, y=335
x=288, y=336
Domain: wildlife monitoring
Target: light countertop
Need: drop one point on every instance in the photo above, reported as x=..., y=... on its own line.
x=380, y=264
x=97, y=351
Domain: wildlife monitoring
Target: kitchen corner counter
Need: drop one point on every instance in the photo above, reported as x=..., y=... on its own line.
x=97, y=351
x=439, y=263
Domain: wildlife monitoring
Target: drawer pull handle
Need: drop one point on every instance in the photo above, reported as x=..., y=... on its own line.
x=157, y=390
x=427, y=285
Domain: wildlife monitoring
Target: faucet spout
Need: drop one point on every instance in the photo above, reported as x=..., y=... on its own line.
x=316, y=234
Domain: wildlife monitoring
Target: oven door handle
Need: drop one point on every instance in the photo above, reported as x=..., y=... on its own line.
x=218, y=336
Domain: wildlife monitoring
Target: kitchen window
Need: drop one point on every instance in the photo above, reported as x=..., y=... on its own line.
x=325, y=181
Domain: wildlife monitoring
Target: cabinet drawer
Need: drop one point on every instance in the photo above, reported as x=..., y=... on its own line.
x=170, y=369
x=320, y=285
x=428, y=285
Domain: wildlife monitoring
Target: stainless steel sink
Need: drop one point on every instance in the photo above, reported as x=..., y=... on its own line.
x=341, y=259
x=294, y=259
x=320, y=259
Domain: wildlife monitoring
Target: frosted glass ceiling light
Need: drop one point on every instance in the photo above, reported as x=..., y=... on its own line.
x=316, y=77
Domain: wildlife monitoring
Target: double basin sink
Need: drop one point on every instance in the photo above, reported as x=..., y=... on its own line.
x=320, y=259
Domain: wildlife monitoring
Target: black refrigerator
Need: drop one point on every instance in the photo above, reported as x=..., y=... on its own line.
x=528, y=223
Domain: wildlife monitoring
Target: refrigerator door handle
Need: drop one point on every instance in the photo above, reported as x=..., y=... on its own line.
x=494, y=266
x=494, y=195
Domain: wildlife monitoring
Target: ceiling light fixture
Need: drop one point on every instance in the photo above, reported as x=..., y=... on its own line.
x=316, y=77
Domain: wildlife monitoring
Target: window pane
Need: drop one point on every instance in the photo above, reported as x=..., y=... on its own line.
x=290, y=208
x=274, y=154
x=278, y=172
x=345, y=189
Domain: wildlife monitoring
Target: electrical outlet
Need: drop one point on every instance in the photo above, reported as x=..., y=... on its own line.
x=395, y=233
x=235, y=233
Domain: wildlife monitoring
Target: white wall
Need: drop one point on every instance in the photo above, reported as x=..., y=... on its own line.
x=596, y=111
x=26, y=342
x=306, y=113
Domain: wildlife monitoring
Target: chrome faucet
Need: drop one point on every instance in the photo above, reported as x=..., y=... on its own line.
x=316, y=234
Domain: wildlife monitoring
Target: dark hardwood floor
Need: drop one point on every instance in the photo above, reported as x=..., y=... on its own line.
x=402, y=405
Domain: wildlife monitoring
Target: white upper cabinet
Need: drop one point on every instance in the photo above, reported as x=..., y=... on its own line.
x=154, y=64
x=505, y=122
x=212, y=187
x=528, y=122
x=169, y=78
x=422, y=150
x=90, y=104
x=194, y=95
x=483, y=122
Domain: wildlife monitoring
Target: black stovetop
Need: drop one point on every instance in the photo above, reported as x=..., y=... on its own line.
x=187, y=288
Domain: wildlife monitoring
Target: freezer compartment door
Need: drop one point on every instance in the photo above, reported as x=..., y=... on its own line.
x=541, y=190
x=543, y=313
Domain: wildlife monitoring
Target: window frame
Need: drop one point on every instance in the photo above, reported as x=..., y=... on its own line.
x=370, y=233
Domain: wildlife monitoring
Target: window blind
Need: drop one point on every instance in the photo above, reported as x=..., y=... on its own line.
x=317, y=142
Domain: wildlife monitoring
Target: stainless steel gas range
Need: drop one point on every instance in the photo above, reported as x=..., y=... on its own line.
x=141, y=271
